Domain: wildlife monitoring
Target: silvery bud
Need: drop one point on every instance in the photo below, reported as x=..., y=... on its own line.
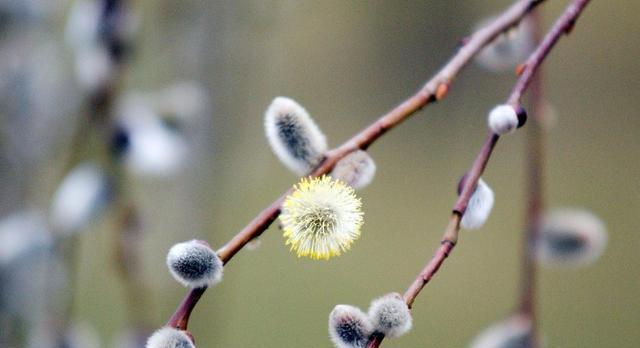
x=294, y=136
x=349, y=327
x=194, y=264
x=356, y=169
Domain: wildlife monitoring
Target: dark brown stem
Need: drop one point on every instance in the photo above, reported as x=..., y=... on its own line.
x=563, y=23
x=435, y=89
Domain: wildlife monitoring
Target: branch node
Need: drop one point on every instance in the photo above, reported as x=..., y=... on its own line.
x=442, y=90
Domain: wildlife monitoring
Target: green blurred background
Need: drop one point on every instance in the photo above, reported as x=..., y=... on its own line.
x=348, y=62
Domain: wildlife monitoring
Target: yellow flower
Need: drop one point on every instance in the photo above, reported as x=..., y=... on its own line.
x=321, y=218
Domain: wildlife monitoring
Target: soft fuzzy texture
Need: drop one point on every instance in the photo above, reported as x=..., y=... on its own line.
x=512, y=332
x=81, y=196
x=349, y=327
x=356, y=169
x=508, y=49
x=503, y=119
x=168, y=337
x=390, y=315
x=479, y=207
x=571, y=237
x=294, y=136
x=194, y=264
x=321, y=218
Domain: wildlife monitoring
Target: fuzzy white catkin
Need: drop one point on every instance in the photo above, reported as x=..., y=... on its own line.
x=81, y=196
x=356, y=169
x=168, y=337
x=294, y=136
x=390, y=315
x=349, y=327
x=509, y=49
x=512, y=332
x=571, y=237
x=194, y=264
x=479, y=207
x=503, y=119
x=154, y=150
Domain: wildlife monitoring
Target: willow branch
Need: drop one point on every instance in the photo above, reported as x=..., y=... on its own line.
x=563, y=25
x=435, y=89
x=534, y=169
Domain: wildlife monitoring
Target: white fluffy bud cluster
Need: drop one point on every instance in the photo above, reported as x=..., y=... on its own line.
x=168, y=337
x=349, y=327
x=294, y=136
x=194, y=264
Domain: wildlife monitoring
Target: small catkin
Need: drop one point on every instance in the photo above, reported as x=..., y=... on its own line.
x=503, y=119
x=194, y=264
x=513, y=332
x=356, y=169
x=509, y=49
x=148, y=146
x=479, y=207
x=82, y=196
x=168, y=337
x=349, y=327
x=294, y=136
x=571, y=237
x=390, y=315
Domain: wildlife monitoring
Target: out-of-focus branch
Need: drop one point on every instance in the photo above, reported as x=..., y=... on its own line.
x=435, y=89
x=563, y=25
x=534, y=169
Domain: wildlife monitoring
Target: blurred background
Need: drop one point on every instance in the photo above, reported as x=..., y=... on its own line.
x=128, y=126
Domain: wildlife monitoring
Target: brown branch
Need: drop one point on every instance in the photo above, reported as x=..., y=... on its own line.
x=563, y=24
x=435, y=89
x=534, y=197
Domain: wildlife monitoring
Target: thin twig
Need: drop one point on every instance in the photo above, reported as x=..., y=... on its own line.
x=563, y=24
x=534, y=197
x=435, y=89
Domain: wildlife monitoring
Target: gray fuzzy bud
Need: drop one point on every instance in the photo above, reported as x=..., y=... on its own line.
x=479, y=207
x=168, y=337
x=571, y=237
x=349, y=327
x=508, y=49
x=356, y=169
x=503, y=119
x=194, y=264
x=294, y=136
x=513, y=332
x=82, y=196
x=390, y=315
